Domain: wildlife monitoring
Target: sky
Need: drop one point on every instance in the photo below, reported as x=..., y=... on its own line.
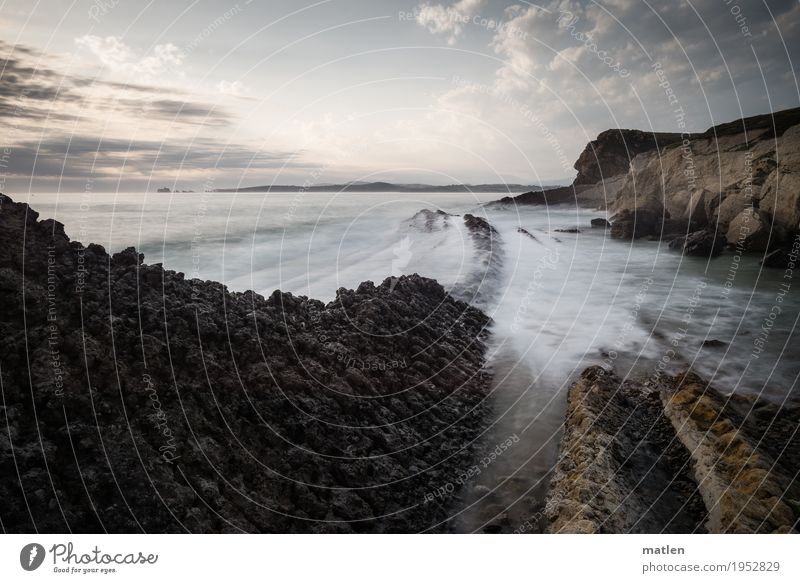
x=122, y=95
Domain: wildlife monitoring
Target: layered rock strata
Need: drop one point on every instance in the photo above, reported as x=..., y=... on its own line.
x=673, y=454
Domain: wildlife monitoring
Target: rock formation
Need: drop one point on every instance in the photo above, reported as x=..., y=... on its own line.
x=672, y=454
x=610, y=154
x=601, y=168
x=736, y=182
x=137, y=400
x=736, y=179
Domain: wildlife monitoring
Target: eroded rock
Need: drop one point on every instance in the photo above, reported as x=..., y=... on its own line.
x=672, y=454
x=138, y=400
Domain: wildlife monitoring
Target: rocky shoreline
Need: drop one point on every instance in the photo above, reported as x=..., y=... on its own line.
x=673, y=454
x=140, y=401
x=733, y=186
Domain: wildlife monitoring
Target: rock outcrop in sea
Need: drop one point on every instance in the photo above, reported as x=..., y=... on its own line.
x=673, y=454
x=136, y=400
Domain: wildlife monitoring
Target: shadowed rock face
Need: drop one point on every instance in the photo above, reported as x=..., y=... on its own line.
x=137, y=400
x=550, y=197
x=673, y=455
x=699, y=244
x=610, y=154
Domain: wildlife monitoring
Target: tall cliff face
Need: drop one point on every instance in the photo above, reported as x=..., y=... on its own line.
x=602, y=168
x=737, y=183
x=611, y=153
x=739, y=179
x=136, y=400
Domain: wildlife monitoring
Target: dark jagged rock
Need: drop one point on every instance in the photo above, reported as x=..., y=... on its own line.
x=477, y=287
x=137, y=400
x=671, y=228
x=479, y=227
x=700, y=244
x=672, y=454
x=428, y=221
x=636, y=224
x=527, y=234
x=600, y=223
x=550, y=197
x=784, y=256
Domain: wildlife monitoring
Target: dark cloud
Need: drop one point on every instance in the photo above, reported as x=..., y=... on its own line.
x=86, y=157
x=177, y=111
x=723, y=60
x=35, y=100
x=26, y=88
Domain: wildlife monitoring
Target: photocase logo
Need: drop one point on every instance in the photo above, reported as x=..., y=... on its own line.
x=31, y=556
x=403, y=254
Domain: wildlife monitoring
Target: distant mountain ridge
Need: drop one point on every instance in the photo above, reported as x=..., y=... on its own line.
x=388, y=187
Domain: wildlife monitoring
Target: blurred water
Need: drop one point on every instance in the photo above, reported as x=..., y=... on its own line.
x=560, y=301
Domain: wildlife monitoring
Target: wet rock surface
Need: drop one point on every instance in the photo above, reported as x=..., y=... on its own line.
x=549, y=197
x=479, y=287
x=673, y=455
x=636, y=224
x=429, y=221
x=700, y=244
x=745, y=455
x=139, y=401
x=620, y=468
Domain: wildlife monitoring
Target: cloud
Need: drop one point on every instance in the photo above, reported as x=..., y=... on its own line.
x=177, y=111
x=31, y=92
x=595, y=57
x=120, y=58
x=86, y=157
x=234, y=88
x=62, y=127
x=582, y=67
x=448, y=20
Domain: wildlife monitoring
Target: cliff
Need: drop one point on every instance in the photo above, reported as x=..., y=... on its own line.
x=601, y=168
x=611, y=153
x=735, y=185
x=738, y=180
x=137, y=400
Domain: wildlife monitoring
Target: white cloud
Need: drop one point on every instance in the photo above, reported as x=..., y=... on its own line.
x=448, y=20
x=120, y=58
x=234, y=88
